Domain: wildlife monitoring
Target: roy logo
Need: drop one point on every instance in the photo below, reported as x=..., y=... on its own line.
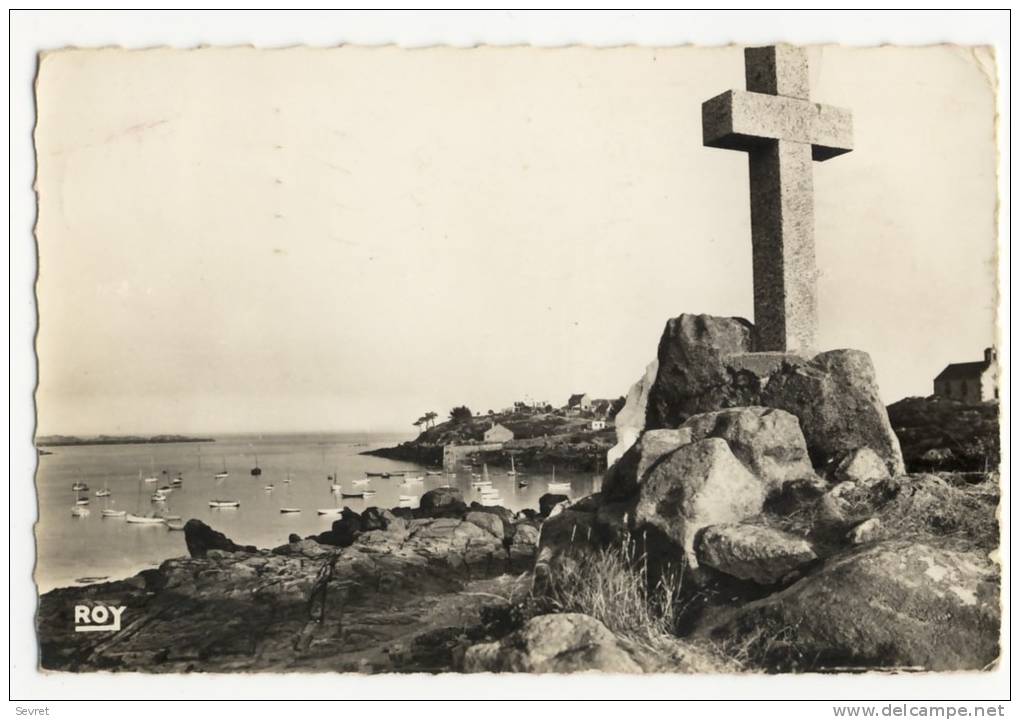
x=97, y=618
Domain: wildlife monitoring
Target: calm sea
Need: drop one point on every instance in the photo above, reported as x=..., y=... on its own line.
x=69, y=548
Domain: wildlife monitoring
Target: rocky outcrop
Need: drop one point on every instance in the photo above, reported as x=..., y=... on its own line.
x=624, y=478
x=397, y=598
x=707, y=364
x=896, y=603
x=561, y=643
x=548, y=501
x=630, y=420
x=200, y=539
x=937, y=434
x=695, y=486
x=692, y=377
x=835, y=397
x=445, y=499
x=752, y=552
x=768, y=441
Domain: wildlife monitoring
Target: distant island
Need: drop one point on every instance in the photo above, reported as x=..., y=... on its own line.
x=61, y=440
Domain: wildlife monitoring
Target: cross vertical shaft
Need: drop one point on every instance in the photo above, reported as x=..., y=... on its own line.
x=783, y=249
x=782, y=132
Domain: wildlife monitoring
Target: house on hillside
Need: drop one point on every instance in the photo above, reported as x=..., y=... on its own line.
x=580, y=401
x=971, y=382
x=598, y=425
x=498, y=433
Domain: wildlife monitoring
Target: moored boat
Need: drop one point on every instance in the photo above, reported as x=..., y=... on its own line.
x=111, y=513
x=330, y=511
x=289, y=510
x=225, y=504
x=78, y=511
x=144, y=519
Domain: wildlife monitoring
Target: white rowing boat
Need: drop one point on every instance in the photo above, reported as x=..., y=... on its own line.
x=224, y=504
x=144, y=519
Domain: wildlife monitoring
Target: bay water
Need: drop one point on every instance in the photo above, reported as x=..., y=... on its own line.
x=70, y=548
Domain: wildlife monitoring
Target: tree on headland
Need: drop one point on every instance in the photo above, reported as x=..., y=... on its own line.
x=430, y=419
x=461, y=413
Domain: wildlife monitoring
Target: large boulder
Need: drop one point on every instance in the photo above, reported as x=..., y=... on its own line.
x=200, y=539
x=630, y=420
x=892, y=604
x=752, y=552
x=559, y=643
x=699, y=484
x=707, y=363
x=441, y=498
x=768, y=441
x=691, y=376
x=548, y=501
x=490, y=522
x=623, y=479
x=835, y=397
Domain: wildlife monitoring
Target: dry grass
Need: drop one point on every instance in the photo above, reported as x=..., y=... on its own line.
x=612, y=585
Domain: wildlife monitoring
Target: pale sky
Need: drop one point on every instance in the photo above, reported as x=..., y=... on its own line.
x=308, y=239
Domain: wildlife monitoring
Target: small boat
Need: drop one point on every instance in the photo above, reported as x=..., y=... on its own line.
x=158, y=498
x=176, y=481
x=105, y=492
x=522, y=483
x=111, y=513
x=407, y=500
x=80, y=487
x=175, y=525
x=512, y=472
x=289, y=510
x=222, y=473
x=151, y=479
x=144, y=519
x=81, y=501
x=330, y=511
x=360, y=481
x=152, y=473
x=77, y=511
x=375, y=474
x=256, y=471
x=558, y=486
x=270, y=487
x=367, y=494
x=165, y=489
x=91, y=579
x=433, y=472
x=358, y=495
x=225, y=504
x=396, y=473
x=287, y=479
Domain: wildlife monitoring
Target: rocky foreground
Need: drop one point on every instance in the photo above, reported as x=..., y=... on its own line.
x=757, y=517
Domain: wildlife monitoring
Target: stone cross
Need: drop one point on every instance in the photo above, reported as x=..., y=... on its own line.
x=781, y=131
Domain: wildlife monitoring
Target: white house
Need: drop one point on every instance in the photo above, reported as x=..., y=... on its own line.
x=498, y=433
x=971, y=382
x=598, y=424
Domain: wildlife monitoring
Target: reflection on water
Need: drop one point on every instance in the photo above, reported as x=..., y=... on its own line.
x=75, y=547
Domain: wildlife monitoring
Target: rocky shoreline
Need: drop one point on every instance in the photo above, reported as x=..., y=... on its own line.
x=758, y=518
